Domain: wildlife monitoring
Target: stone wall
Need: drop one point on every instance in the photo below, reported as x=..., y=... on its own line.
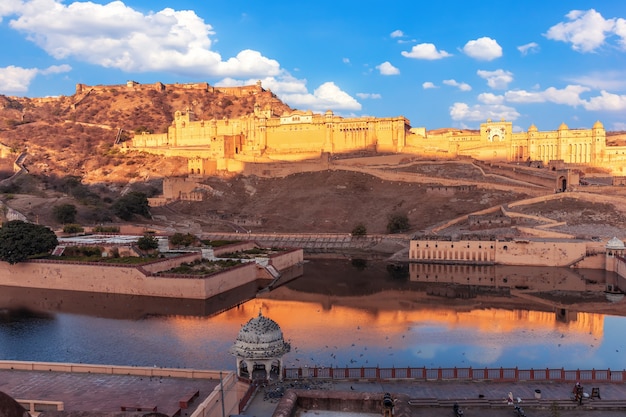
x=301, y=136
x=552, y=252
x=117, y=279
x=285, y=260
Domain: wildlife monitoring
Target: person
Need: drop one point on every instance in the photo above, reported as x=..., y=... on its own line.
x=578, y=393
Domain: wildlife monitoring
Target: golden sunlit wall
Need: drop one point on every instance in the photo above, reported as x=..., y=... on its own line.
x=310, y=135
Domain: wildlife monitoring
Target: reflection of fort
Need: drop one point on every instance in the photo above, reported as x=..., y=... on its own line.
x=227, y=145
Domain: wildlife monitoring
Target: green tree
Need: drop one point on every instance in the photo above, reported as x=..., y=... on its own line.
x=20, y=240
x=398, y=222
x=73, y=228
x=148, y=242
x=359, y=230
x=180, y=239
x=64, y=213
x=130, y=204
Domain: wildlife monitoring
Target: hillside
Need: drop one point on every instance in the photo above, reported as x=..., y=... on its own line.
x=74, y=135
x=71, y=159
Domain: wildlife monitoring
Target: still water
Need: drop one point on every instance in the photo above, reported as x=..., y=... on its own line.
x=340, y=313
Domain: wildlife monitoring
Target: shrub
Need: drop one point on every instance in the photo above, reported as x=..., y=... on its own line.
x=106, y=229
x=359, y=230
x=180, y=239
x=397, y=223
x=65, y=213
x=132, y=203
x=148, y=242
x=73, y=228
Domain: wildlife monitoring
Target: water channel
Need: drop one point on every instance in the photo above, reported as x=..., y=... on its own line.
x=341, y=313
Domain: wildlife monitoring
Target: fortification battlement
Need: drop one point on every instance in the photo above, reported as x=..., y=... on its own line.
x=239, y=91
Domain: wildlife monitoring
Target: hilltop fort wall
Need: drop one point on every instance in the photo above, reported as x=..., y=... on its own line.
x=159, y=86
x=264, y=137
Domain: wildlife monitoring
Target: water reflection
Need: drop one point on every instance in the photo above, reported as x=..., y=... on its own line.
x=344, y=313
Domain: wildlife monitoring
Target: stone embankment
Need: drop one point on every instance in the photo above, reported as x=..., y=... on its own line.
x=339, y=244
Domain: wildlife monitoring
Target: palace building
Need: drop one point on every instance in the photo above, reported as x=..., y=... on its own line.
x=226, y=145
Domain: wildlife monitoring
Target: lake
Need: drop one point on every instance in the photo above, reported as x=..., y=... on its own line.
x=341, y=313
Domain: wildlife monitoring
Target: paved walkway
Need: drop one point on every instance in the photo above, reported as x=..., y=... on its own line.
x=476, y=398
x=104, y=392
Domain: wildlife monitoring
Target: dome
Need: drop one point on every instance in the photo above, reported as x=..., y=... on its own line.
x=532, y=128
x=598, y=125
x=260, y=338
x=615, y=244
x=563, y=126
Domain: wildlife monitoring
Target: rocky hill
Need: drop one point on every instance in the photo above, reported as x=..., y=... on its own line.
x=71, y=159
x=74, y=135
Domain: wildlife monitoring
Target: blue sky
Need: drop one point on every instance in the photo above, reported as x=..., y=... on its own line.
x=440, y=64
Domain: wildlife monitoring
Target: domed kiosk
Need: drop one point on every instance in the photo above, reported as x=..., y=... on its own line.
x=259, y=349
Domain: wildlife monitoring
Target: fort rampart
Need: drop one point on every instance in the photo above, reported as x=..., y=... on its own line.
x=264, y=137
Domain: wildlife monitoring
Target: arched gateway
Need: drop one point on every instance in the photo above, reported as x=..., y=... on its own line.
x=259, y=349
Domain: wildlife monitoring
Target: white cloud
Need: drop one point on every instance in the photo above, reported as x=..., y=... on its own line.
x=603, y=80
x=490, y=98
x=10, y=7
x=529, y=48
x=498, y=79
x=620, y=31
x=481, y=112
x=484, y=49
x=397, y=34
x=425, y=51
x=586, y=31
x=606, y=102
x=294, y=92
x=372, y=96
x=387, y=69
x=17, y=80
x=326, y=97
x=426, y=85
x=56, y=69
x=346, y=60
x=460, y=86
x=570, y=95
x=114, y=35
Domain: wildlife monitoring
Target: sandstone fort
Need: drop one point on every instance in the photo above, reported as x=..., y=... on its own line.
x=226, y=145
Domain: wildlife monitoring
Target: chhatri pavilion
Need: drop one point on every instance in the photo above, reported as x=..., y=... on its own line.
x=259, y=348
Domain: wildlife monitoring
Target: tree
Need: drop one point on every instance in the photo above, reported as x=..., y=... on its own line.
x=20, y=240
x=130, y=204
x=148, y=242
x=65, y=213
x=359, y=230
x=73, y=228
x=397, y=223
x=180, y=239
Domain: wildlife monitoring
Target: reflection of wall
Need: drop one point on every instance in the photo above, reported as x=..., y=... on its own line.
x=498, y=276
x=293, y=316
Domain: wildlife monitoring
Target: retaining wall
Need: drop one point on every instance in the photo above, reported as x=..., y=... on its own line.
x=117, y=279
